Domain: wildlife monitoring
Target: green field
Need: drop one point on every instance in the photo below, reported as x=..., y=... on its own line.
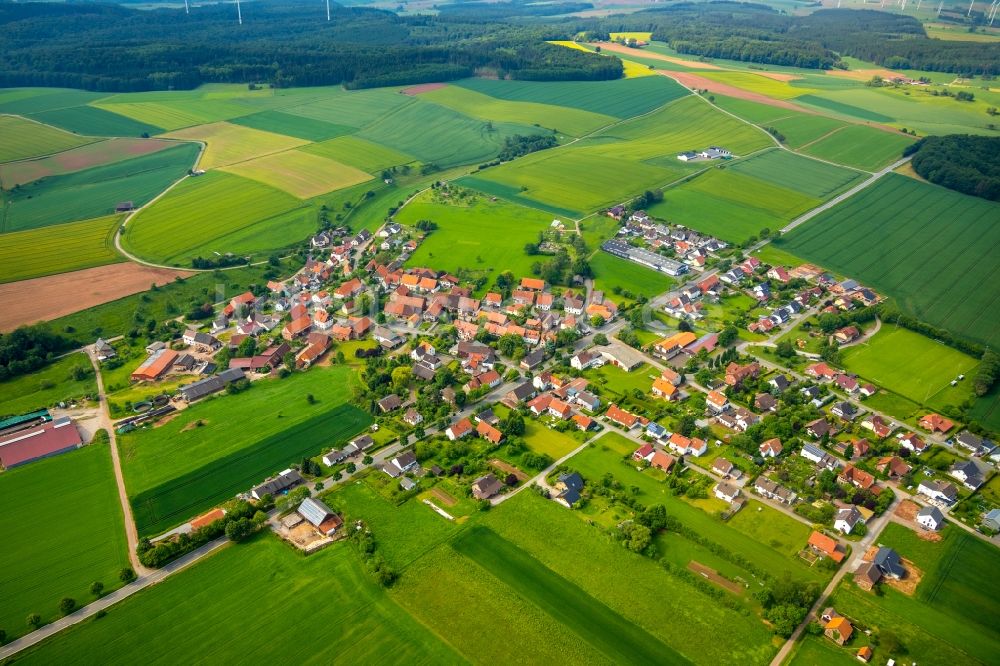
x=611, y=271
x=799, y=129
x=231, y=213
x=276, y=594
x=354, y=108
x=180, y=468
x=610, y=633
x=624, y=98
x=301, y=174
x=563, y=543
x=619, y=162
x=740, y=205
x=227, y=143
x=475, y=233
x=94, y=121
x=438, y=135
x=479, y=105
x=47, y=387
x=809, y=177
x=930, y=248
x=913, y=366
x=21, y=138
x=95, y=191
x=58, y=249
x=288, y=124
x=175, y=113
x=861, y=147
x=26, y=101
x=62, y=530
x=949, y=620
x=821, y=651
x=365, y=155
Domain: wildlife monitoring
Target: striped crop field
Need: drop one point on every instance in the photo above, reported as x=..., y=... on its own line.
x=59, y=249
x=78, y=159
x=479, y=105
x=21, y=138
x=228, y=144
x=932, y=249
x=299, y=173
x=357, y=152
x=229, y=212
x=95, y=191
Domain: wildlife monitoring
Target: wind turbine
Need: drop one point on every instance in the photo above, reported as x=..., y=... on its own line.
x=970, y=9
x=939, y=8
x=187, y=10
x=327, y=10
x=239, y=14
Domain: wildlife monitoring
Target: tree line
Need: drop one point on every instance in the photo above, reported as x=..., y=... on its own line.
x=110, y=48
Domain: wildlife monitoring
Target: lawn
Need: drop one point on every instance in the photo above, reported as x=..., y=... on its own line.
x=288, y=124
x=616, y=637
x=304, y=175
x=59, y=249
x=21, y=138
x=62, y=529
x=619, y=382
x=821, y=651
x=95, y=191
x=561, y=119
x=78, y=159
x=611, y=271
x=327, y=596
x=861, y=147
x=766, y=525
x=913, y=366
x=47, y=387
x=632, y=586
x=365, y=155
x=475, y=233
x=928, y=247
x=542, y=439
x=624, y=98
x=231, y=213
x=404, y=532
x=180, y=468
x=229, y=144
x=438, y=135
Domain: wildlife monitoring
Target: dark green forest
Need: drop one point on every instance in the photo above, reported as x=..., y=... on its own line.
x=961, y=162
x=755, y=33
x=111, y=48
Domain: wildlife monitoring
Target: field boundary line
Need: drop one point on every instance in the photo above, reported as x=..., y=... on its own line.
x=818, y=139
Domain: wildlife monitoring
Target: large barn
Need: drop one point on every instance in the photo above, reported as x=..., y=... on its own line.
x=47, y=439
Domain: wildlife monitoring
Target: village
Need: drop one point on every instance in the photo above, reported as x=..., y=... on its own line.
x=468, y=372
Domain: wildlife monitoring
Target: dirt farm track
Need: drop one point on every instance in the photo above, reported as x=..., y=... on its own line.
x=29, y=301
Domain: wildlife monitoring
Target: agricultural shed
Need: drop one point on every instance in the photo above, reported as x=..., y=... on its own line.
x=45, y=440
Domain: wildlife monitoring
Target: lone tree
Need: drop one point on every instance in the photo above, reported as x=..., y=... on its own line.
x=67, y=605
x=97, y=588
x=34, y=620
x=126, y=575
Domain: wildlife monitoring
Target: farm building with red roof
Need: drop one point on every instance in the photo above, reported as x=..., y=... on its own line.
x=47, y=439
